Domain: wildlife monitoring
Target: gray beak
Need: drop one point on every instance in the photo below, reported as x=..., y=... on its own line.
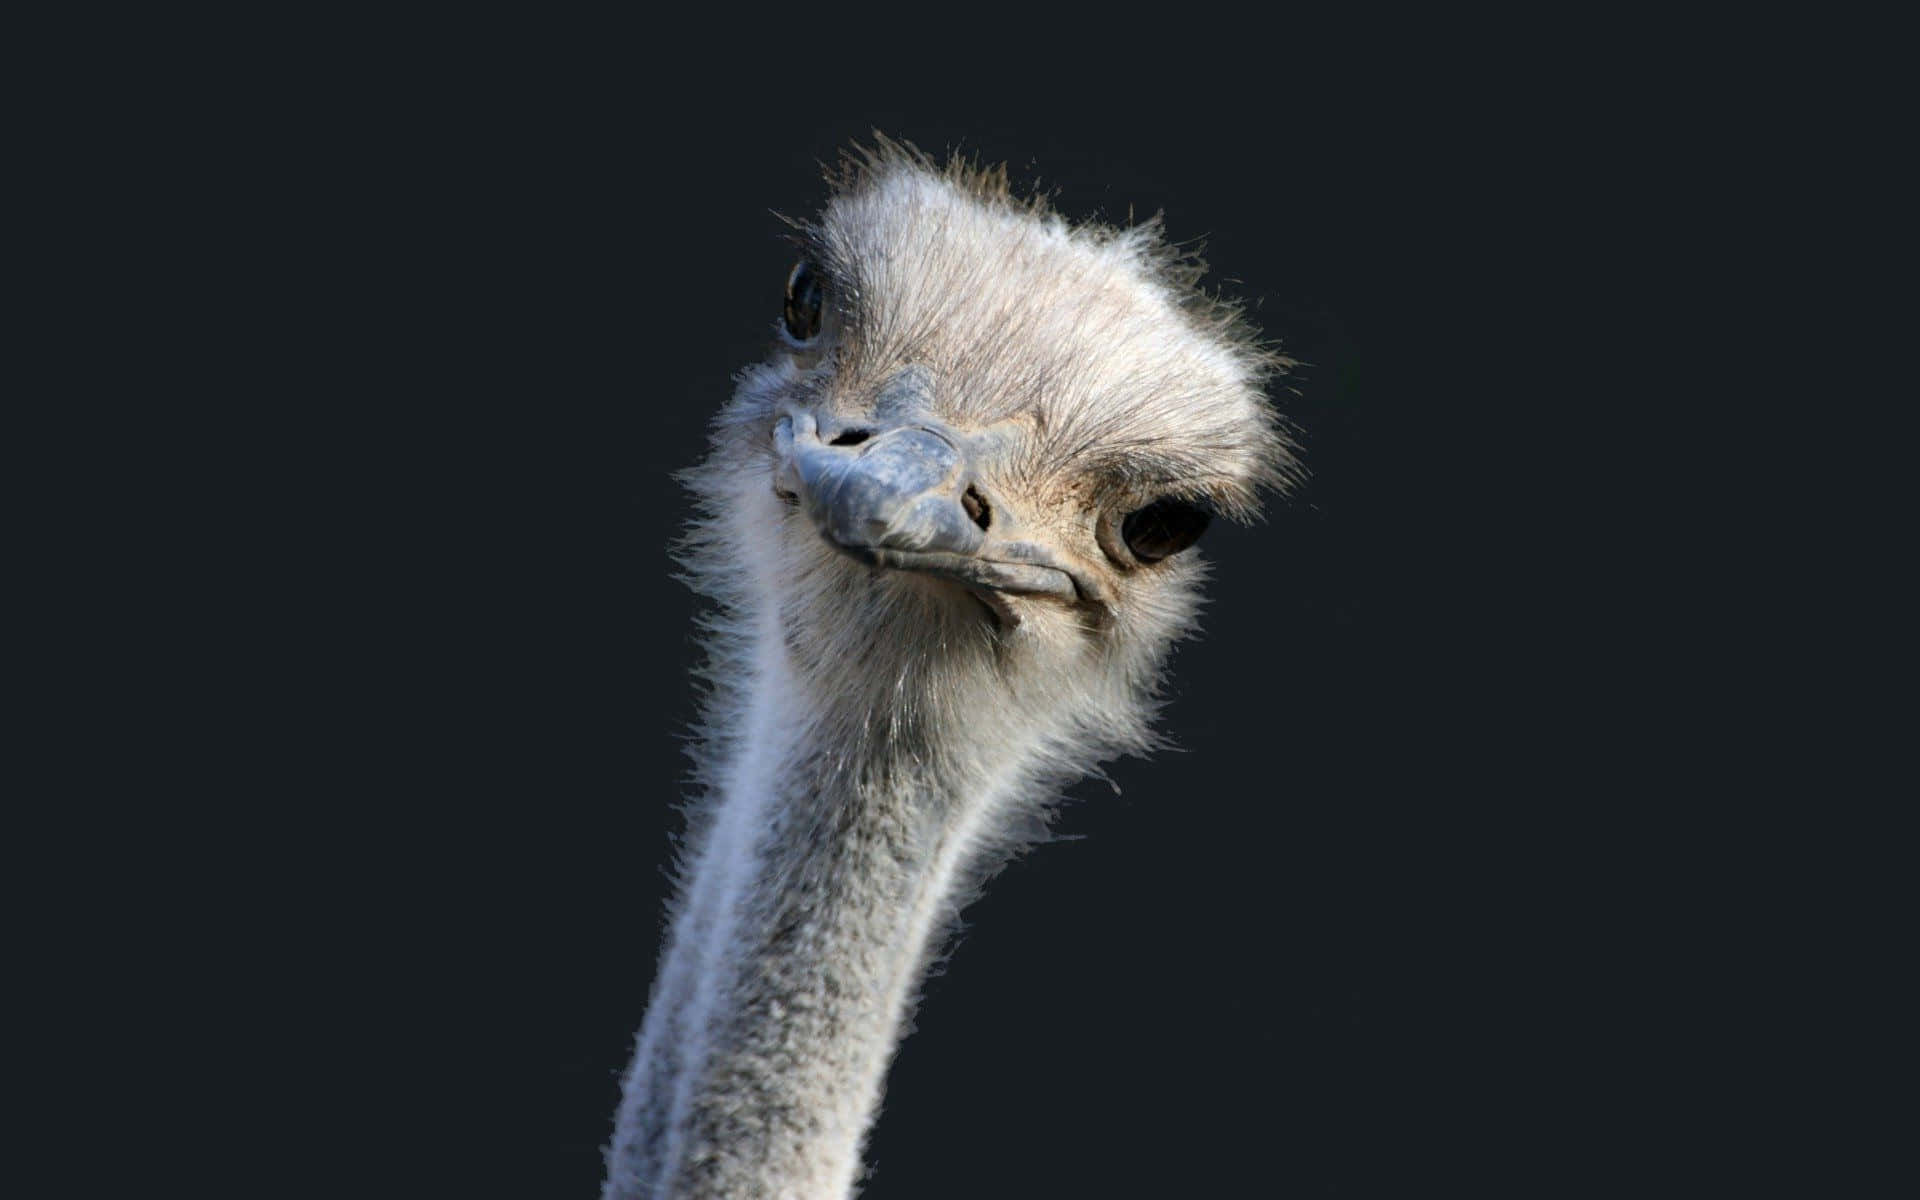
x=904, y=496
x=895, y=489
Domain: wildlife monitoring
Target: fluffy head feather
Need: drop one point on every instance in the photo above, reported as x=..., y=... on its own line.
x=1115, y=382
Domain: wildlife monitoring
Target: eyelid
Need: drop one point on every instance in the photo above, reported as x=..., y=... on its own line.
x=794, y=343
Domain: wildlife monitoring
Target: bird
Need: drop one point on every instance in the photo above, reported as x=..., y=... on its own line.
x=946, y=531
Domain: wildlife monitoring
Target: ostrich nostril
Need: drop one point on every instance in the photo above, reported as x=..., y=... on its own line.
x=976, y=506
x=852, y=437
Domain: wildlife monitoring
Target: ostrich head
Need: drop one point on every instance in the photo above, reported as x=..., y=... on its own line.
x=963, y=490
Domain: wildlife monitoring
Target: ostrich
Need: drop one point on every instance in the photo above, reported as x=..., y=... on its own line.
x=944, y=527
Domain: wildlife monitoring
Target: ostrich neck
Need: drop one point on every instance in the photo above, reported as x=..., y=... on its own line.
x=804, y=927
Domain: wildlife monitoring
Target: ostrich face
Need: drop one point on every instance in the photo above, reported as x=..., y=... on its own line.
x=982, y=430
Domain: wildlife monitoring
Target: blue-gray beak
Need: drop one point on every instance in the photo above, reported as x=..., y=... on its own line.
x=904, y=495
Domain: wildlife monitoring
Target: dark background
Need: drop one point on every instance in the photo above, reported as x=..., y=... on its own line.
x=487, y=293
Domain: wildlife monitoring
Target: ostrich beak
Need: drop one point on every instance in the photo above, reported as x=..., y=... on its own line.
x=904, y=497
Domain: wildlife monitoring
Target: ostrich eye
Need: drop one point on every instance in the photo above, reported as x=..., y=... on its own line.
x=804, y=298
x=1163, y=528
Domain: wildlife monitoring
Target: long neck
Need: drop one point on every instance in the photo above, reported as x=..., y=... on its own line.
x=816, y=888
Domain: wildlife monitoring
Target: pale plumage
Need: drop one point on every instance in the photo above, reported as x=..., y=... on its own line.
x=989, y=394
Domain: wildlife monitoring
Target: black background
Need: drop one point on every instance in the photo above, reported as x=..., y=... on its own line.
x=492, y=293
